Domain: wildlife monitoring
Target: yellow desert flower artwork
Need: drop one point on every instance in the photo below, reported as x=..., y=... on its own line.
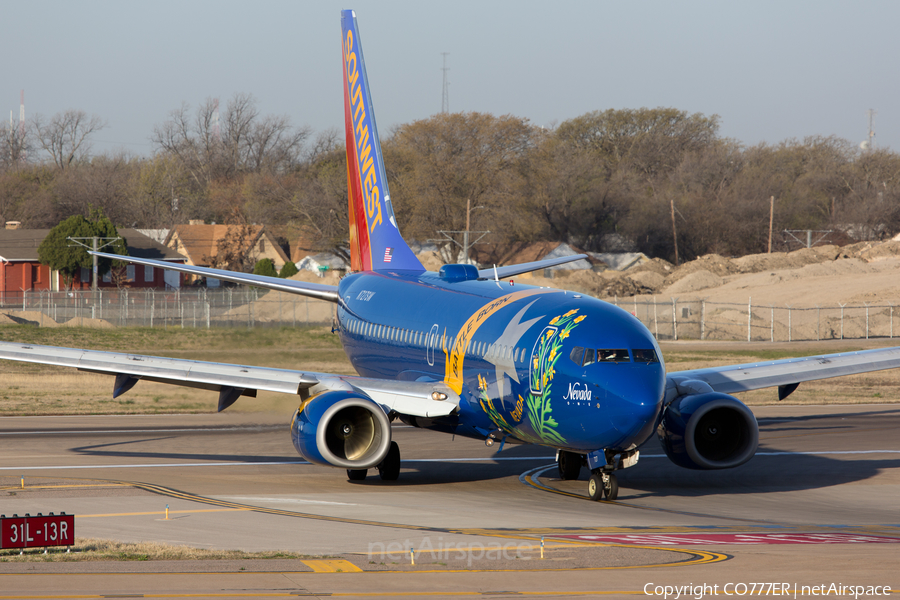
x=537, y=424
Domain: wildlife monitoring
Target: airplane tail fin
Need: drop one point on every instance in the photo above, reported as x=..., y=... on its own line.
x=375, y=241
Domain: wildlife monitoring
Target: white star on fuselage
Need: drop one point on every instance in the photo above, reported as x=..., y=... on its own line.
x=506, y=365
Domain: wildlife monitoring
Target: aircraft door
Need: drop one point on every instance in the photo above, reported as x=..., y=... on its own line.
x=430, y=343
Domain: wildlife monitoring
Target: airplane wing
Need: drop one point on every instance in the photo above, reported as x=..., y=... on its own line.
x=786, y=374
x=421, y=399
x=303, y=288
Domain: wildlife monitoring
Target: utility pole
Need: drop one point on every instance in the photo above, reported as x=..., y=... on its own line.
x=674, y=231
x=466, y=234
x=465, y=244
x=771, y=219
x=95, y=246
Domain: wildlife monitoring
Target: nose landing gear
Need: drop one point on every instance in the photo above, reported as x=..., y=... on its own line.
x=603, y=483
x=603, y=463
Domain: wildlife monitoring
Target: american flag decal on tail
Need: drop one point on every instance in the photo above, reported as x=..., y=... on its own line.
x=387, y=254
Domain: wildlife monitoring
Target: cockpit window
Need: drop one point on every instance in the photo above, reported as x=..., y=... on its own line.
x=577, y=355
x=645, y=356
x=590, y=357
x=613, y=355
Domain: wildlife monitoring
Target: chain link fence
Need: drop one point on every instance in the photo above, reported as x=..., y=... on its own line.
x=672, y=319
x=669, y=319
x=189, y=307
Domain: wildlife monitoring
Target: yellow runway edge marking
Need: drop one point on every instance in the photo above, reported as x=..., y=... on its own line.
x=332, y=566
x=697, y=557
x=162, y=512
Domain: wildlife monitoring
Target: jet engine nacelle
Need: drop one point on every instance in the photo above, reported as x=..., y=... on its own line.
x=708, y=431
x=341, y=429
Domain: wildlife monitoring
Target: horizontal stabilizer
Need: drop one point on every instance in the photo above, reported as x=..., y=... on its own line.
x=512, y=270
x=302, y=288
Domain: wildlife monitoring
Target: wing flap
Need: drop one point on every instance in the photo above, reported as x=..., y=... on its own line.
x=189, y=373
x=416, y=398
x=405, y=397
x=790, y=371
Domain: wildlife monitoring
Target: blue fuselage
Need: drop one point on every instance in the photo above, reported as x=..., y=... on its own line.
x=530, y=364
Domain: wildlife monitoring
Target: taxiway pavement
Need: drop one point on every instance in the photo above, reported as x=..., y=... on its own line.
x=474, y=517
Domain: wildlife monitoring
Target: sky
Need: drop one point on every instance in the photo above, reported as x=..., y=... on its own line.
x=771, y=70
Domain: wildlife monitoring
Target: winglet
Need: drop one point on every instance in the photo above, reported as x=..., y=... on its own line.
x=375, y=241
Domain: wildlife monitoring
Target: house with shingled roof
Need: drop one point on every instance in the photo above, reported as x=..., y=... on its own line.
x=21, y=269
x=200, y=243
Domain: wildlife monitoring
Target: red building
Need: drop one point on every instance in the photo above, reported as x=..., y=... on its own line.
x=21, y=270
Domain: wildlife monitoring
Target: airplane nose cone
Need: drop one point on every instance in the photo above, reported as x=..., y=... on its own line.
x=633, y=402
x=630, y=402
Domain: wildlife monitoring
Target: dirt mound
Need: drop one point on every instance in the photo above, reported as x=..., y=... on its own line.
x=431, y=261
x=693, y=282
x=31, y=317
x=654, y=265
x=88, y=322
x=281, y=307
x=5, y=320
x=777, y=261
x=713, y=263
x=871, y=251
x=330, y=278
x=648, y=279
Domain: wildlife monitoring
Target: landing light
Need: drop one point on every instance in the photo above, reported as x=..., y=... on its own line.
x=436, y=395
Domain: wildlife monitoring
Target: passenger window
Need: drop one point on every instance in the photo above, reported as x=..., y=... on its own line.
x=645, y=356
x=613, y=355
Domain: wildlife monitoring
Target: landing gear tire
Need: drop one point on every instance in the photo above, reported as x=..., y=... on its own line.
x=611, y=488
x=601, y=485
x=389, y=468
x=569, y=465
x=595, y=487
x=356, y=474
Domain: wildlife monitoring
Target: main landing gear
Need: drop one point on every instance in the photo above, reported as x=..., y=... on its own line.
x=603, y=482
x=388, y=469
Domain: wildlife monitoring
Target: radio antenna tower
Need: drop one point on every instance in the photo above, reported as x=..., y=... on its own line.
x=217, y=134
x=22, y=116
x=445, y=99
x=871, y=112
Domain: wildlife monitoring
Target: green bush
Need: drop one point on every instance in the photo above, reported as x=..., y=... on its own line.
x=266, y=267
x=288, y=270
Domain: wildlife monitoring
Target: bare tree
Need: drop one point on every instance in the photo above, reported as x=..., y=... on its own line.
x=66, y=136
x=245, y=142
x=192, y=140
x=15, y=147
